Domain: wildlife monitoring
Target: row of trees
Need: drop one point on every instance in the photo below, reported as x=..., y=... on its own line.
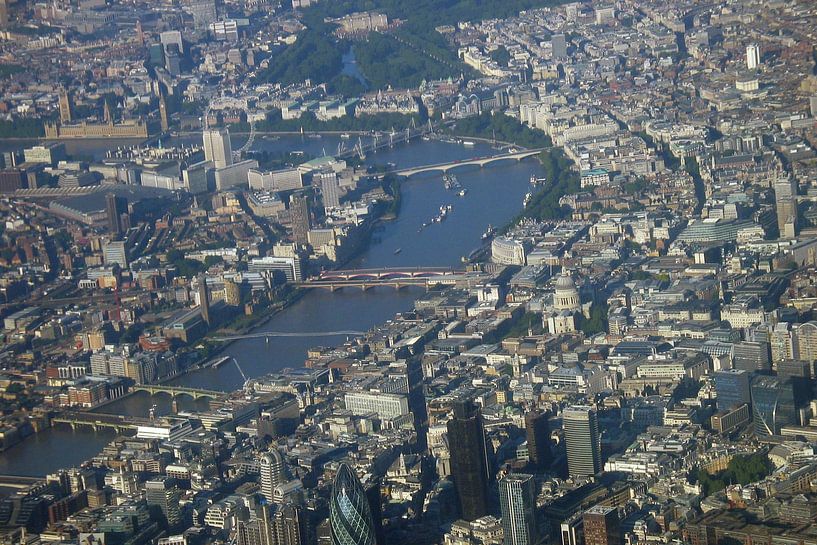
x=308, y=121
x=502, y=127
x=561, y=180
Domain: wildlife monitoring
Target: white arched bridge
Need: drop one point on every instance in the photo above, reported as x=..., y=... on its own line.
x=480, y=161
x=387, y=273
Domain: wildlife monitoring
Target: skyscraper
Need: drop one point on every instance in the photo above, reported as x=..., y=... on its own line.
x=558, y=46
x=538, y=434
x=300, y=219
x=601, y=526
x=582, y=440
x=4, y=13
x=273, y=473
x=517, y=501
x=114, y=208
x=350, y=518
x=469, y=459
x=752, y=56
x=785, y=198
x=732, y=387
x=163, y=493
x=288, y=525
x=776, y=403
x=217, y=147
x=164, y=118
x=204, y=299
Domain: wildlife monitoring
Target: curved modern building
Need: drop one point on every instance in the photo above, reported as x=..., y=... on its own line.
x=507, y=251
x=350, y=518
x=273, y=473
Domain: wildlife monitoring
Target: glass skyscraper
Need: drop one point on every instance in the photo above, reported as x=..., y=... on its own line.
x=469, y=459
x=350, y=518
x=581, y=429
x=776, y=403
x=517, y=500
x=732, y=387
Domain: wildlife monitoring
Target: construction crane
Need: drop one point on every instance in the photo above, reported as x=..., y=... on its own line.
x=243, y=376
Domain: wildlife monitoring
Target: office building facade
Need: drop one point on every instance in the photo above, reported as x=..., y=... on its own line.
x=538, y=435
x=273, y=473
x=732, y=387
x=601, y=526
x=517, y=501
x=469, y=459
x=217, y=147
x=776, y=403
x=582, y=440
x=300, y=218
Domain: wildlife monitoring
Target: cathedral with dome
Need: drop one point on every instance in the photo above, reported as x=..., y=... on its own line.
x=566, y=303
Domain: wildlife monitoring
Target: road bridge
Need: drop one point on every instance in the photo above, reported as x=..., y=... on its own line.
x=479, y=161
x=18, y=481
x=367, y=284
x=97, y=421
x=174, y=391
x=386, y=273
x=268, y=334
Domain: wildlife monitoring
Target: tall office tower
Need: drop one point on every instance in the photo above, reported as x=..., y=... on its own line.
x=776, y=403
x=300, y=218
x=752, y=56
x=204, y=299
x=4, y=13
x=732, y=387
x=558, y=45
x=538, y=433
x=330, y=189
x=582, y=440
x=753, y=355
x=785, y=198
x=217, y=147
x=66, y=113
x=114, y=208
x=469, y=459
x=805, y=341
x=812, y=105
x=163, y=493
x=204, y=13
x=517, y=501
x=601, y=526
x=164, y=117
x=350, y=518
x=372, y=490
x=257, y=530
x=288, y=525
x=273, y=473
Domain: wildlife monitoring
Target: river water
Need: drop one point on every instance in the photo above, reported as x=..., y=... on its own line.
x=494, y=195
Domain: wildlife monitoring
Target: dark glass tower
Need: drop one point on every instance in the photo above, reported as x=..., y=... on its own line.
x=469, y=459
x=777, y=403
x=538, y=434
x=350, y=519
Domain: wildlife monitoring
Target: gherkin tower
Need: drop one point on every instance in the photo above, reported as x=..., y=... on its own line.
x=349, y=515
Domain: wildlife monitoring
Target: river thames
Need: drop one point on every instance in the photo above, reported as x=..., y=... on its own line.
x=494, y=196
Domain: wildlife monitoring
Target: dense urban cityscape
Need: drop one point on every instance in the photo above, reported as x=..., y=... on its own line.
x=374, y=272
